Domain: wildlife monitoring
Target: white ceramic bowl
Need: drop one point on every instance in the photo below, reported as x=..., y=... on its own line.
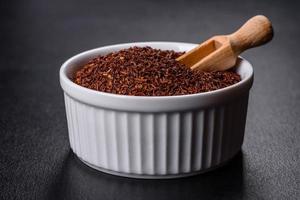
x=154, y=137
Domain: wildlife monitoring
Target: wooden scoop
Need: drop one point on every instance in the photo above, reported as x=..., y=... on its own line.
x=220, y=53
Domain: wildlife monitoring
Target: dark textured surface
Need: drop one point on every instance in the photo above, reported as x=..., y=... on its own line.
x=37, y=36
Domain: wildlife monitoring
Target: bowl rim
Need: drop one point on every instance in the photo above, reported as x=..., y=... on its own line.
x=73, y=90
x=64, y=77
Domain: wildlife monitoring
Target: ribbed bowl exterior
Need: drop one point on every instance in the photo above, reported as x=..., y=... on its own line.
x=166, y=143
x=154, y=137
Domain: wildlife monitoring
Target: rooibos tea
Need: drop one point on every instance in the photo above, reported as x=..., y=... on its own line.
x=144, y=71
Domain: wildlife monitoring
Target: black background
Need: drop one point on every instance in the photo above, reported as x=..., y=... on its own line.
x=36, y=37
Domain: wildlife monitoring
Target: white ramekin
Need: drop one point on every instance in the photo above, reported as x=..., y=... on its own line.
x=154, y=137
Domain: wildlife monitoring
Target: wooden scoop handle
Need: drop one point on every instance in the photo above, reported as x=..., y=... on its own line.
x=255, y=32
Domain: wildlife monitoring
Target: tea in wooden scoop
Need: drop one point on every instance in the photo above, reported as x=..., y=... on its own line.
x=220, y=52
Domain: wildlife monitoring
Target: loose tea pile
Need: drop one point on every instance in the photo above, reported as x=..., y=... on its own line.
x=143, y=71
